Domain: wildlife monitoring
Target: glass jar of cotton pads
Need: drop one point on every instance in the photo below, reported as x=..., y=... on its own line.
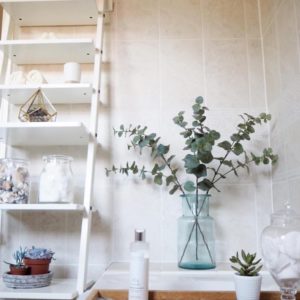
x=56, y=180
x=14, y=181
x=281, y=250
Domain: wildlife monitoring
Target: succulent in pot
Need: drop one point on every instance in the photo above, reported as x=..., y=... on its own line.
x=18, y=268
x=247, y=279
x=38, y=260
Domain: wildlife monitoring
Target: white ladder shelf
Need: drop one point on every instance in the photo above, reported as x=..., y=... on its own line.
x=79, y=12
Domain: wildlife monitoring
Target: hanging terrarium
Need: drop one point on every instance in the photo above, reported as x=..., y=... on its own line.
x=37, y=108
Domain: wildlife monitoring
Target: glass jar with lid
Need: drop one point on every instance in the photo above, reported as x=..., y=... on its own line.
x=14, y=181
x=56, y=180
x=281, y=250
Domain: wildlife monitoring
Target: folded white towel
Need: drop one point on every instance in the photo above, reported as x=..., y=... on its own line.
x=17, y=77
x=35, y=77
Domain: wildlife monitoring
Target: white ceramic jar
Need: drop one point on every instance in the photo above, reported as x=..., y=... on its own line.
x=56, y=180
x=72, y=72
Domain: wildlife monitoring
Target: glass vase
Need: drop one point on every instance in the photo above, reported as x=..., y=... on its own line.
x=281, y=251
x=196, y=241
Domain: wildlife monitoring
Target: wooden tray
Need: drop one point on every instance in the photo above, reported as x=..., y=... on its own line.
x=27, y=281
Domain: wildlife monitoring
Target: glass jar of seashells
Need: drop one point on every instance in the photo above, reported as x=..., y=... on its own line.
x=14, y=181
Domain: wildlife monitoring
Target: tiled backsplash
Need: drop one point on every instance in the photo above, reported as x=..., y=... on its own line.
x=281, y=35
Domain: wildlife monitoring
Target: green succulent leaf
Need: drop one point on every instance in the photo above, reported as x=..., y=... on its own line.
x=248, y=267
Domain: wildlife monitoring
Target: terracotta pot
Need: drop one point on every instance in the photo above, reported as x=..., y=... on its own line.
x=20, y=270
x=37, y=266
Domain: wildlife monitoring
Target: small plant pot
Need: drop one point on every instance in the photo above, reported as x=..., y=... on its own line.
x=37, y=266
x=19, y=270
x=247, y=287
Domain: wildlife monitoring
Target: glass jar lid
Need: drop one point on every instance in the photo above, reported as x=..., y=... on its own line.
x=57, y=158
x=19, y=161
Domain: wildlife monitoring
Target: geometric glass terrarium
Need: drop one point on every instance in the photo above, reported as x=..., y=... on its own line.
x=37, y=108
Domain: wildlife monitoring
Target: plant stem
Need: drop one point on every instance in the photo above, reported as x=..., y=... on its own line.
x=205, y=243
x=178, y=183
x=196, y=218
x=187, y=243
x=231, y=170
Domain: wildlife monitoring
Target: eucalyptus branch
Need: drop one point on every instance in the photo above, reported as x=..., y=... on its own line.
x=141, y=140
x=200, y=141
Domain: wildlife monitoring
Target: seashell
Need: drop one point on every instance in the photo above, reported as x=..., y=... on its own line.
x=20, y=175
x=2, y=168
x=7, y=186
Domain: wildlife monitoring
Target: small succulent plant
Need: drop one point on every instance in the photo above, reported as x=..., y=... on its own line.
x=246, y=266
x=18, y=256
x=39, y=253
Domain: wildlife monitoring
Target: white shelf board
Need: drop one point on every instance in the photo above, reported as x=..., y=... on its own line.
x=57, y=93
x=44, y=133
x=49, y=51
x=42, y=206
x=54, y=13
x=168, y=277
x=59, y=289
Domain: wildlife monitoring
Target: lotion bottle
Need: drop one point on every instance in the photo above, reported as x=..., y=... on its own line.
x=139, y=267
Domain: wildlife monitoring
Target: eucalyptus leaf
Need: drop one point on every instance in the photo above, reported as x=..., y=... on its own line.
x=225, y=145
x=190, y=161
x=189, y=186
x=199, y=171
x=238, y=149
x=199, y=100
x=158, y=179
x=174, y=189
x=162, y=149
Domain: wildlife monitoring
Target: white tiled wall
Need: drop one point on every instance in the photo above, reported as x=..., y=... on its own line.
x=159, y=56
x=281, y=33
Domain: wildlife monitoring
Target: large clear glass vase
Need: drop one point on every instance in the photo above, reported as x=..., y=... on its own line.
x=196, y=241
x=281, y=251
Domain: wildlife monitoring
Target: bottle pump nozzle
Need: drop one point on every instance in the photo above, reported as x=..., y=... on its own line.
x=140, y=235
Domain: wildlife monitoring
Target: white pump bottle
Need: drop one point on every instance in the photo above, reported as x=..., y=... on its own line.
x=139, y=267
